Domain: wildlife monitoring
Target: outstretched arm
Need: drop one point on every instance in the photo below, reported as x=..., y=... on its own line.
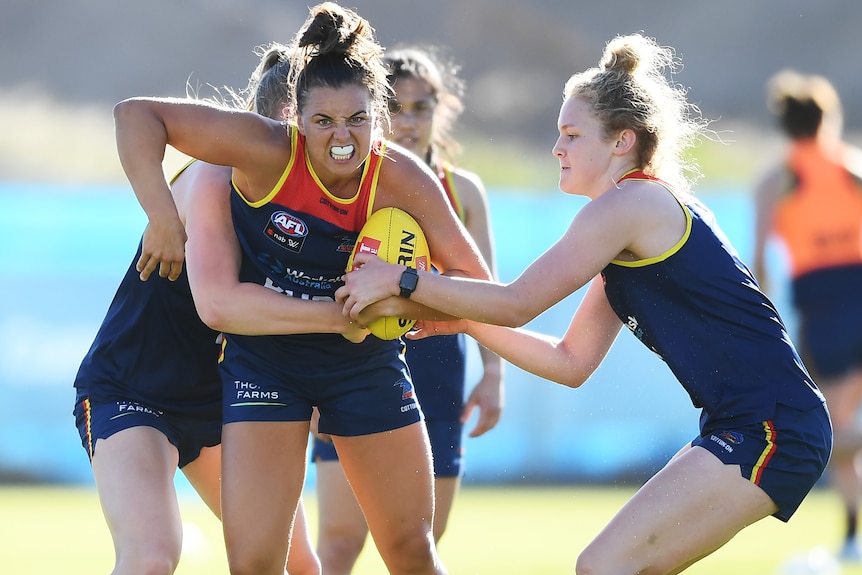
x=569, y=361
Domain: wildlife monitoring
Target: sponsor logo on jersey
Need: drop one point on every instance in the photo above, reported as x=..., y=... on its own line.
x=346, y=244
x=286, y=230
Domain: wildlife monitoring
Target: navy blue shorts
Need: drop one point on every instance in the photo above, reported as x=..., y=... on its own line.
x=785, y=456
x=830, y=312
x=354, y=398
x=830, y=341
x=438, y=365
x=446, y=448
x=102, y=420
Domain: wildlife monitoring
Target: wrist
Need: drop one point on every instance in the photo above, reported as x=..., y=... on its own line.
x=408, y=282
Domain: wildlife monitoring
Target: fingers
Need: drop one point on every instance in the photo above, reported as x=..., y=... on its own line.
x=145, y=266
x=148, y=263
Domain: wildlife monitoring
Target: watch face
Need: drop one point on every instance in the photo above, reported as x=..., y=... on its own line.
x=408, y=282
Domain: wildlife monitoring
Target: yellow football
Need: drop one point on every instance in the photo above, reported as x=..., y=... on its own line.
x=393, y=235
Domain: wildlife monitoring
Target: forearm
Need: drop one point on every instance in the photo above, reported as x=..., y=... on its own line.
x=539, y=354
x=492, y=363
x=251, y=309
x=141, y=142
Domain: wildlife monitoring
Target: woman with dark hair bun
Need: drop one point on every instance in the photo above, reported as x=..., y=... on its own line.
x=301, y=191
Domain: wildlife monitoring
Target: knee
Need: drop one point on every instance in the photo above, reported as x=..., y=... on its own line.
x=255, y=563
x=411, y=553
x=586, y=563
x=339, y=552
x=149, y=560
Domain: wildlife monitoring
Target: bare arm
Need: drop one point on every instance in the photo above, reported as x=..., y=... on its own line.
x=407, y=183
x=569, y=361
x=488, y=394
x=638, y=220
x=767, y=194
x=144, y=127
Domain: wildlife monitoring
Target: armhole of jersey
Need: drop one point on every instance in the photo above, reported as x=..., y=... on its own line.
x=375, y=177
x=452, y=191
x=181, y=170
x=294, y=147
x=674, y=248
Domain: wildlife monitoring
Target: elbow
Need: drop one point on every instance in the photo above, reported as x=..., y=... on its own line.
x=572, y=380
x=123, y=108
x=213, y=313
x=512, y=317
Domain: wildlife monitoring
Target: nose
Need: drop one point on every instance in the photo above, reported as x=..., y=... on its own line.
x=557, y=150
x=341, y=130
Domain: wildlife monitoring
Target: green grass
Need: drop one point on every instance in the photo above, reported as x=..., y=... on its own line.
x=499, y=531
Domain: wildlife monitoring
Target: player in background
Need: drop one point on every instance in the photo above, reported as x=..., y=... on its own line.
x=318, y=181
x=425, y=104
x=149, y=396
x=812, y=201
x=657, y=263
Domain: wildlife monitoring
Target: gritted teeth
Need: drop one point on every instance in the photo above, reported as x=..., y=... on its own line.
x=341, y=152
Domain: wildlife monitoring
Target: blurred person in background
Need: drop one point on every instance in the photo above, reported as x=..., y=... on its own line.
x=319, y=176
x=149, y=395
x=425, y=104
x=654, y=260
x=812, y=201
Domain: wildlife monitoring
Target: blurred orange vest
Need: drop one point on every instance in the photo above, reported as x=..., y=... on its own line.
x=820, y=217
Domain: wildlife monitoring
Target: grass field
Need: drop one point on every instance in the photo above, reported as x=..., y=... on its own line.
x=499, y=531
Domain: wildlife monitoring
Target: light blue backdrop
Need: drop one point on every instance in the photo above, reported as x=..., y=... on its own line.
x=63, y=251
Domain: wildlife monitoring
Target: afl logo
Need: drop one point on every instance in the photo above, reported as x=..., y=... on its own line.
x=286, y=230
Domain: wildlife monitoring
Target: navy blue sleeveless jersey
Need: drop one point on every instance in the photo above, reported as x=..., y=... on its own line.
x=152, y=348
x=297, y=241
x=700, y=309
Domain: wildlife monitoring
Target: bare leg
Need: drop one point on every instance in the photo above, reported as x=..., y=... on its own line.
x=204, y=474
x=263, y=470
x=843, y=398
x=342, y=529
x=690, y=508
x=302, y=560
x=134, y=472
x=392, y=478
x=445, y=489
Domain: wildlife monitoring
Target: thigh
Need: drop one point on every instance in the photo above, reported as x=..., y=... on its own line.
x=263, y=469
x=392, y=479
x=690, y=508
x=339, y=513
x=204, y=474
x=134, y=472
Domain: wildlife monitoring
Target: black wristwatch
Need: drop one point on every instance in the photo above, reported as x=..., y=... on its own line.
x=408, y=282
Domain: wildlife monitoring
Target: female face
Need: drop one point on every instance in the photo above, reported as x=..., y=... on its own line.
x=582, y=150
x=412, y=115
x=338, y=125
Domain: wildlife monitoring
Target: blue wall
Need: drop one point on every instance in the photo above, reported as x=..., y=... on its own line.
x=63, y=251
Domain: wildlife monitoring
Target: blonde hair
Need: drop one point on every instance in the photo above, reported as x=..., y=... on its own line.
x=630, y=90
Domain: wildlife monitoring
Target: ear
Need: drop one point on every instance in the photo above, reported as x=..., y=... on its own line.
x=625, y=142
